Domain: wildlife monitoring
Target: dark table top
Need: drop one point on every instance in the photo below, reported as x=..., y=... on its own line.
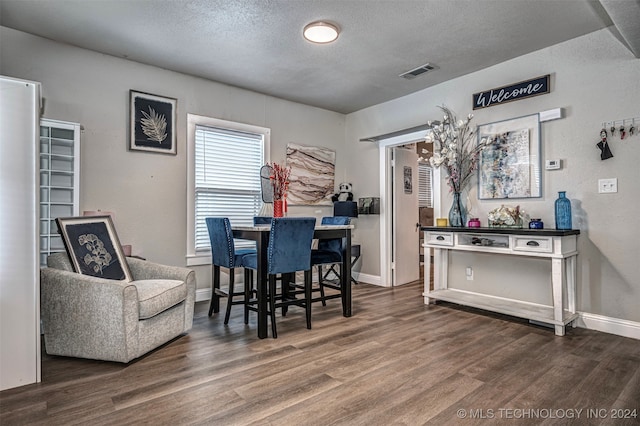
x=508, y=231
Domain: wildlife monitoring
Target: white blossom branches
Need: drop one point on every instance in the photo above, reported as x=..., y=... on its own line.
x=455, y=148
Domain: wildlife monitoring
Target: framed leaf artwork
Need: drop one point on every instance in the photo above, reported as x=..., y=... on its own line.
x=152, y=123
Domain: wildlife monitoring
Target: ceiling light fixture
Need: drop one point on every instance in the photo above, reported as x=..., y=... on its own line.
x=321, y=32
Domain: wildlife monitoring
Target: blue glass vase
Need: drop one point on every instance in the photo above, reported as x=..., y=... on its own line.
x=458, y=212
x=563, y=211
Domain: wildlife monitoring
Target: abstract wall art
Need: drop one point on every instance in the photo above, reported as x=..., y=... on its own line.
x=509, y=166
x=312, y=175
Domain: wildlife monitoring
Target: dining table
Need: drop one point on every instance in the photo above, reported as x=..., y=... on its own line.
x=260, y=234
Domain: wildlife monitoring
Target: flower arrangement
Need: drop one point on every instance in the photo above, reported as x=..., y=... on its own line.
x=280, y=180
x=455, y=148
x=506, y=217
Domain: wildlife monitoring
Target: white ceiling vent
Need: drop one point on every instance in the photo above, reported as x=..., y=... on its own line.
x=418, y=71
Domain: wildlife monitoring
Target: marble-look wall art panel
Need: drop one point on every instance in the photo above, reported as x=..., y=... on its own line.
x=312, y=175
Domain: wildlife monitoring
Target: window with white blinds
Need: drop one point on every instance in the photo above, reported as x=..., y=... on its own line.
x=226, y=176
x=425, y=188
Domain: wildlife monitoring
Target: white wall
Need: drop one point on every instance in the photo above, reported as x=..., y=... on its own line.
x=147, y=191
x=595, y=79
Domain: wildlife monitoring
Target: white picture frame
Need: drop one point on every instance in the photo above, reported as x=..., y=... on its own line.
x=509, y=167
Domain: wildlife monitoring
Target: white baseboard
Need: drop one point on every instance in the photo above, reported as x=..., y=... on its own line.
x=369, y=279
x=203, y=294
x=610, y=325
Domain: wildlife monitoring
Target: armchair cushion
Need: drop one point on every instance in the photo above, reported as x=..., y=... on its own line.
x=155, y=296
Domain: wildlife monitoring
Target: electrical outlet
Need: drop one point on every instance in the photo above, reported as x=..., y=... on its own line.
x=607, y=186
x=469, y=273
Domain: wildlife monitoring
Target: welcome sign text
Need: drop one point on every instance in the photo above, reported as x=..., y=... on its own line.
x=500, y=95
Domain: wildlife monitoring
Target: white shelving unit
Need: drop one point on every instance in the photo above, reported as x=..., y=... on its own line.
x=59, y=181
x=560, y=247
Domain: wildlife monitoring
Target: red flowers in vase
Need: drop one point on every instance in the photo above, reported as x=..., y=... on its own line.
x=280, y=180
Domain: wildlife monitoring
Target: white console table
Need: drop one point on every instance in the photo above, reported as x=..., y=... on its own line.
x=559, y=246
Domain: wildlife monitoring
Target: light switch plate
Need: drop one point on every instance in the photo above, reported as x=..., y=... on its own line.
x=607, y=186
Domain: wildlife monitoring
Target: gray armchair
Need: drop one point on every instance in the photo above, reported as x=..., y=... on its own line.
x=109, y=320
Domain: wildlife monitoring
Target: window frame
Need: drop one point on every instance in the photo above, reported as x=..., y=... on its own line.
x=425, y=168
x=204, y=257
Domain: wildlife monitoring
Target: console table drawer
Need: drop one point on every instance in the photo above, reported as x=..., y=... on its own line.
x=439, y=238
x=533, y=244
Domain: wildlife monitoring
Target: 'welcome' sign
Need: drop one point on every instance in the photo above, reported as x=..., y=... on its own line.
x=514, y=92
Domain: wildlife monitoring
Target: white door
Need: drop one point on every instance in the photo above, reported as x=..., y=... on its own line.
x=406, y=228
x=19, y=245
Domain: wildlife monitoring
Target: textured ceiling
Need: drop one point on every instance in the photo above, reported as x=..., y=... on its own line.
x=258, y=44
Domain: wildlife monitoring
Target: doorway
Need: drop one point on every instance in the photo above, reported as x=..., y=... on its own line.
x=389, y=246
x=406, y=228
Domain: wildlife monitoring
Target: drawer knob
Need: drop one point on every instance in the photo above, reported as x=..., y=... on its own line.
x=533, y=243
x=440, y=238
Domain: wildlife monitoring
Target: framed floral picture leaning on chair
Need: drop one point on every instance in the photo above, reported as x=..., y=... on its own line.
x=93, y=247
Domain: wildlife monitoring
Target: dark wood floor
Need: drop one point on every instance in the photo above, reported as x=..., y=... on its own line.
x=395, y=362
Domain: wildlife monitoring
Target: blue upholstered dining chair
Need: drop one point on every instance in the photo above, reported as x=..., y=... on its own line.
x=289, y=251
x=329, y=252
x=262, y=220
x=224, y=254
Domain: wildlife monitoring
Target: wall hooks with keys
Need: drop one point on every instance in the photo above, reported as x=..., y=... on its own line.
x=623, y=129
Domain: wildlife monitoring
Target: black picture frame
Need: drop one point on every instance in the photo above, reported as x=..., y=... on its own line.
x=152, y=123
x=408, y=180
x=93, y=247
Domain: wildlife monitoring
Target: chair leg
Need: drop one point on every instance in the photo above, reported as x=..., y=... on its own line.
x=214, y=306
x=342, y=284
x=324, y=301
x=248, y=290
x=272, y=304
x=307, y=295
x=232, y=278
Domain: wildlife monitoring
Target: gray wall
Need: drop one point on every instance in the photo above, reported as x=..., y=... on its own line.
x=595, y=79
x=147, y=191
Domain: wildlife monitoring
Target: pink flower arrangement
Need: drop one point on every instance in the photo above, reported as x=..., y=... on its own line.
x=280, y=180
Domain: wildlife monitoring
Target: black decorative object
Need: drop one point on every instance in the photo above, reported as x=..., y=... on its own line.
x=605, y=151
x=345, y=208
x=369, y=205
